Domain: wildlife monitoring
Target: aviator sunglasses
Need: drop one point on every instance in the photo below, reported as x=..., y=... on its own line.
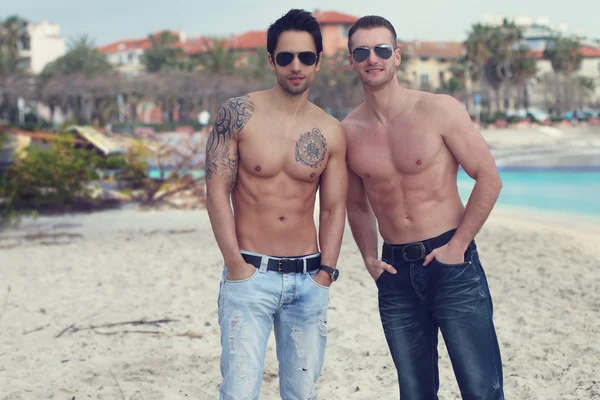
x=284, y=58
x=361, y=53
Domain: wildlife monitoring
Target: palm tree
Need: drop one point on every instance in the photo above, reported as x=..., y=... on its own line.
x=219, y=59
x=566, y=58
x=564, y=55
x=14, y=38
x=75, y=81
x=523, y=68
x=82, y=57
x=478, y=51
x=163, y=54
x=503, y=45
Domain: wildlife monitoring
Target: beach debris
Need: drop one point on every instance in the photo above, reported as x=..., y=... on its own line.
x=72, y=328
x=36, y=329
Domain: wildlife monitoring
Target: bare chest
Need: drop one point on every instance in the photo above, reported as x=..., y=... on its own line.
x=381, y=154
x=299, y=152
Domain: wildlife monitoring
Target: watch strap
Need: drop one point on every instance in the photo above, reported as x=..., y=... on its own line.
x=330, y=270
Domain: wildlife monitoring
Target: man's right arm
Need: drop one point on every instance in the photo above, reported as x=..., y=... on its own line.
x=363, y=225
x=221, y=174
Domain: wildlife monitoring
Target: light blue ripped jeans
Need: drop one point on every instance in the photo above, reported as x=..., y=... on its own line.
x=296, y=306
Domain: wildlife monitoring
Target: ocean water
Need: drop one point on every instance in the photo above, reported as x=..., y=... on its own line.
x=561, y=189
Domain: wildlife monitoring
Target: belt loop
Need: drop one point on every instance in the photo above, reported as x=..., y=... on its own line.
x=304, y=266
x=264, y=261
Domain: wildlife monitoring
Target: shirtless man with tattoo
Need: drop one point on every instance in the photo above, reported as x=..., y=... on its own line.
x=404, y=150
x=271, y=152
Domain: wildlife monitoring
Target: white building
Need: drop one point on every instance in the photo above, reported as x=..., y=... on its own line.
x=46, y=45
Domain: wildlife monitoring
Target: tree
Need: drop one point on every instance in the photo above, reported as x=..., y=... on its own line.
x=80, y=81
x=163, y=54
x=566, y=58
x=82, y=57
x=523, y=68
x=564, y=55
x=479, y=52
x=14, y=38
x=218, y=59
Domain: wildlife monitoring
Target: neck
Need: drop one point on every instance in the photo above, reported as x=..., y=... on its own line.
x=290, y=104
x=382, y=101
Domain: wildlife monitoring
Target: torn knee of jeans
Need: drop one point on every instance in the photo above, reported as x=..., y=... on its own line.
x=323, y=322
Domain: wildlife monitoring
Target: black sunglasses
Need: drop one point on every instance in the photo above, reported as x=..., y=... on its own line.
x=284, y=58
x=384, y=51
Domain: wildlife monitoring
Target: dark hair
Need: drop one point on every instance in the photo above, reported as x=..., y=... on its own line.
x=295, y=20
x=370, y=22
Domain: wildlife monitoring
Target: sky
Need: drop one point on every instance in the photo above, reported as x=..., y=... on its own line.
x=111, y=20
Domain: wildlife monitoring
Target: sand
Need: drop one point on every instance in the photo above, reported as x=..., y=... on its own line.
x=61, y=275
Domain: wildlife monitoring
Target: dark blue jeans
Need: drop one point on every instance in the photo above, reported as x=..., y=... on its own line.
x=417, y=301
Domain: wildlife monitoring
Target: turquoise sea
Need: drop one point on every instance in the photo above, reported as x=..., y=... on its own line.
x=561, y=189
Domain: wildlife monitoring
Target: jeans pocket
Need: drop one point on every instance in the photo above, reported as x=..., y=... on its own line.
x=251, y=277
x=311, y=276
x=379, y=278
x=468, y=260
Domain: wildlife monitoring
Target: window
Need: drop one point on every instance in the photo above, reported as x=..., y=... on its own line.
x=442, y=77
x=344, y=31
x=424, y=78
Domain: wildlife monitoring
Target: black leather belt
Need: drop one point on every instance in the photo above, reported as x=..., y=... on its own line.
x=411, y=252
x=285, y=265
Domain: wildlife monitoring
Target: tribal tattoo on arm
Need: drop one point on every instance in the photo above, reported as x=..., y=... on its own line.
x=221, y=148
x=311, y=148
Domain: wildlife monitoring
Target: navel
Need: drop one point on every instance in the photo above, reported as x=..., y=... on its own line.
x=312, y=175
x=257, y=168
x=419, y=162
x=282, y=219
x=408, y=218
x=367, y=176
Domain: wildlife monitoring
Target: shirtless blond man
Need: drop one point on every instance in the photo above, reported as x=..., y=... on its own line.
x=270, y=152
x=404, y=151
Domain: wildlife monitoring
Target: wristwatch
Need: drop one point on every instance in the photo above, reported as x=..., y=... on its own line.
x=334, y=272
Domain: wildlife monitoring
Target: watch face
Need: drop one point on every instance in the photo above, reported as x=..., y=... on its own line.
x=335, y=274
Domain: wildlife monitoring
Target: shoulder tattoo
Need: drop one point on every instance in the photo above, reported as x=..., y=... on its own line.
x=311, y=148
x=221, y=147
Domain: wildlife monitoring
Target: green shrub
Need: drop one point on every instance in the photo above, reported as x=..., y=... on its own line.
x=57, y=177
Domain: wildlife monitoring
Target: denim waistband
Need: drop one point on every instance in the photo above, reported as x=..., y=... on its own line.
x=305, y=256
x=293, y=264
x=415, y=251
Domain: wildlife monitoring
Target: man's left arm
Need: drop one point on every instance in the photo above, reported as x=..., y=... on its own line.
x=332, y=215
x=471, y=151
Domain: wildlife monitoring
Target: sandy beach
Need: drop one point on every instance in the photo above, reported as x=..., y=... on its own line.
x=67, y=282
